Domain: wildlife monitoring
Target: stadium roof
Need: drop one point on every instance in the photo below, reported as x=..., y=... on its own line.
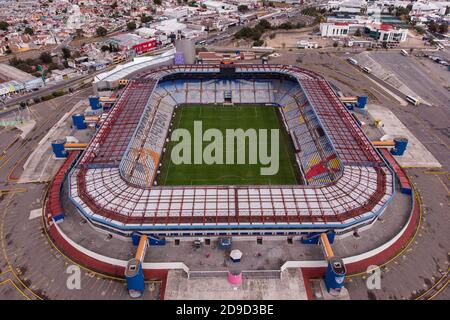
x=112, y=183
x=124, y=70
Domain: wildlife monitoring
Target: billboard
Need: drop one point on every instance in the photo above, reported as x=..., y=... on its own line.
x=144, y=47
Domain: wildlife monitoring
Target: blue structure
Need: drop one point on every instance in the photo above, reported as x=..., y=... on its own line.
x=135, y=278
x=335, y=274
x=156, y=241
x=179, y=58
x=224, y=243
x=313, y=238
x=400, y=146
x=78, y=121
x=362, y=101
x=94, y=102
x=58, y=148
x=135, y=237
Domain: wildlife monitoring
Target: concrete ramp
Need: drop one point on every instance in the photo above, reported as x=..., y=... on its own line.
x=416, y=154
x=289, y=287
x=365, y=60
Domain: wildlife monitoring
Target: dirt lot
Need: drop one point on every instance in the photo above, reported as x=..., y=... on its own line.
x=289, y=39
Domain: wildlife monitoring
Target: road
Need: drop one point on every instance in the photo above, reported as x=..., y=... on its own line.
x=47, y=90
x=63, y=44
x=13, y=102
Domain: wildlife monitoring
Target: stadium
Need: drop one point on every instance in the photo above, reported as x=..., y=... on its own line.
x=330, y=178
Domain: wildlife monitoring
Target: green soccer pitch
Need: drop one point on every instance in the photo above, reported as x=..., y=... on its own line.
x=222, y=118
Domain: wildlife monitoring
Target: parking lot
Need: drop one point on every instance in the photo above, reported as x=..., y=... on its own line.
x=425, y=78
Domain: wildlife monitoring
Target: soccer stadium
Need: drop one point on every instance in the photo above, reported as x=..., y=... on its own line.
x=330, y=177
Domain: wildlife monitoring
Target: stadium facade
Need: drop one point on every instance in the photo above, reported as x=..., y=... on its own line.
x=347, y=184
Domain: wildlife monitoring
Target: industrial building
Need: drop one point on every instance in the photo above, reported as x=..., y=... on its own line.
x=347, y=184
x=132, y=43
x=16, y=81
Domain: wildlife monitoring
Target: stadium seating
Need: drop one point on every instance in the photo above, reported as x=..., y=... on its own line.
x=116, y=196
x=312, y=148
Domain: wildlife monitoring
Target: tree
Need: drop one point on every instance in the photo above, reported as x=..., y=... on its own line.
x=145, y=18
x=4, y=25
x=131, y=25
x=45, y=57
x=114, y=48
x=319, y=18
x=286, y=26
x=264, y=24
x=157, y=2
x=258, y=43
x=432, y=26
x=400, y=11
x=29, y=31
x=245, y=32
x=419, y=30
x=358, y=33
x=114, y=5
x=105, y=48
x=242, y=8
x=66, y=52
x=443, y=28
x=101, y=31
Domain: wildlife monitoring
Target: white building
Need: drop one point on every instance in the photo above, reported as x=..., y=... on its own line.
x=337, y=29
x=146, y=32
x=170, y=26
x=177, y=12
x=429, y=8
x=76, y=19
x=377, y=31
x=385, y=32
x=220, y=7
x=303, y=44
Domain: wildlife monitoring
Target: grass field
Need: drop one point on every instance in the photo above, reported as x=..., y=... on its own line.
x=222, y=118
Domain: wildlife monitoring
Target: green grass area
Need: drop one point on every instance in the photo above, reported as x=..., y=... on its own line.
x=222, y=118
